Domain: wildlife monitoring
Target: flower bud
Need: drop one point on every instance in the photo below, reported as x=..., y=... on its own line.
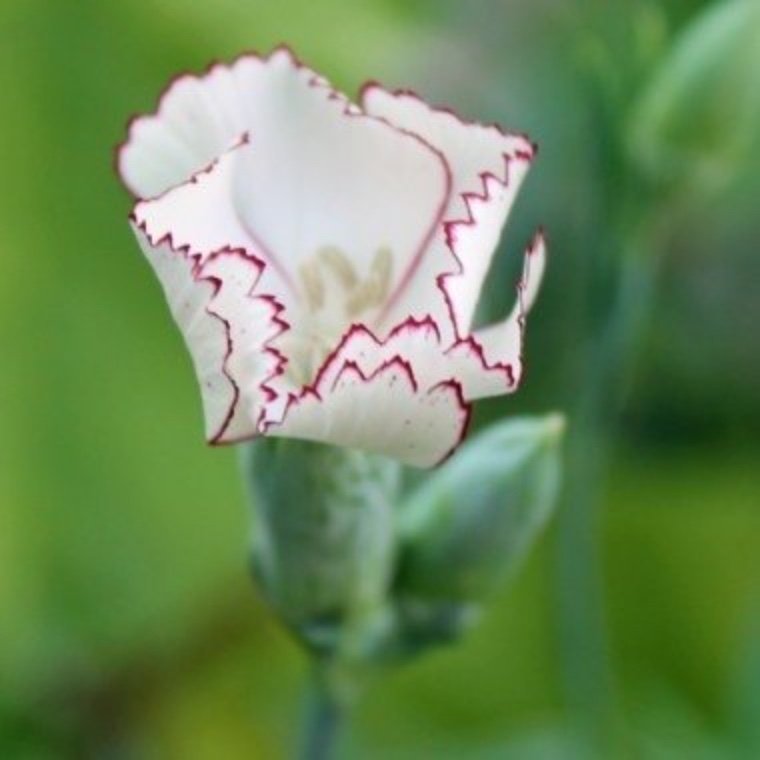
x=323, y=537
x=472, y=521
x=698, y=116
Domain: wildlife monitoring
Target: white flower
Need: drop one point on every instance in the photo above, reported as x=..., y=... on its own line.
x=323, y=260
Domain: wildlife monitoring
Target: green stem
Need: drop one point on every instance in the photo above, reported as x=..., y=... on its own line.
x=612, y=351
x=323, y=720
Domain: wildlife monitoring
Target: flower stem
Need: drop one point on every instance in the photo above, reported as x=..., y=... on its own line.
x=610, y=356
x=323, y=719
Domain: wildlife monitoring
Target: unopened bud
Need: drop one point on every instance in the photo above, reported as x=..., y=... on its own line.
x=698, y=117
x=471, y=522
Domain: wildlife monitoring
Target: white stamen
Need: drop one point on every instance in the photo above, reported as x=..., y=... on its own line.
x=334, y=294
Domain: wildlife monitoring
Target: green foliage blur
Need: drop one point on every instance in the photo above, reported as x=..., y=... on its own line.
x=128, y=623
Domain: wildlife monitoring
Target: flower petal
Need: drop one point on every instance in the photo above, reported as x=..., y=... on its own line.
x=488, y=166
x=321, y=176
x=252, y=324
x=198, y=216
x=380, y=394
x=197, y=119
x=227, y=331
x=384, y=412
x=501, y=343
x=420, y=345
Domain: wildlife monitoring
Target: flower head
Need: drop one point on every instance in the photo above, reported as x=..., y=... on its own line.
x=324, y=259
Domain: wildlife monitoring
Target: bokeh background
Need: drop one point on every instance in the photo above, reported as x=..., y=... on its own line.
x=128, y=624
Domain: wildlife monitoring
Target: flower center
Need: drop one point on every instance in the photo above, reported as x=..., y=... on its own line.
x=330, y=266
x=334, y=295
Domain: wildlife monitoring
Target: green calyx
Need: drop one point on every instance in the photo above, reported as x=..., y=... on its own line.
x=364, y=575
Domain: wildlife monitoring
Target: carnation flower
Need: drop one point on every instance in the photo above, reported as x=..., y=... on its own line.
x=323, y=259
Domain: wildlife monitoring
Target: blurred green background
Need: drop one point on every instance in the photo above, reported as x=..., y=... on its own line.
x=128, y=624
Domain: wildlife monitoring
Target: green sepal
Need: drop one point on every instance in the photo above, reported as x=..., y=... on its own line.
x=323, y=539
